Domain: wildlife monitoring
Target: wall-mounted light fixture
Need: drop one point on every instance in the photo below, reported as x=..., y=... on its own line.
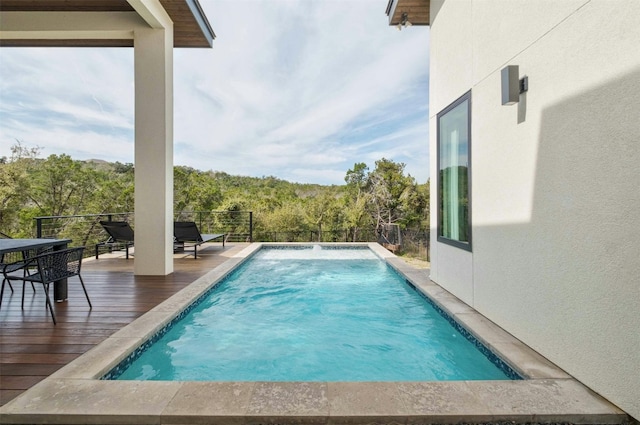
x=512, y=85
x=404, y=21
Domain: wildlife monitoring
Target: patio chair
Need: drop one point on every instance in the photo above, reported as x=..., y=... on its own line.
x=186, y=232
x=16, y=259
x=120, y=234
x=50, y=267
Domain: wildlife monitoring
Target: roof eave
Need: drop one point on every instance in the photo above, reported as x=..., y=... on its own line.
x=191, y=26
x=202, y=21
x=417, y=11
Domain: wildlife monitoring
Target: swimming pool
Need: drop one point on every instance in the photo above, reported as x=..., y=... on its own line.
x=78, y=394
x=313, y=313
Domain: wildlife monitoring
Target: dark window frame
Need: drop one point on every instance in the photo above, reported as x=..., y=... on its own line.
x=466, y=245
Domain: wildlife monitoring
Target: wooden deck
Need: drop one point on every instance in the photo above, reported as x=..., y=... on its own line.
x=32, y=347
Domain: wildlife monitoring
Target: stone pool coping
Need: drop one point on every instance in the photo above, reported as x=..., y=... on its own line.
x=75, y=395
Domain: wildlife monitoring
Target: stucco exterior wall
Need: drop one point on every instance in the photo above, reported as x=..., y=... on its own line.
x=555, y=178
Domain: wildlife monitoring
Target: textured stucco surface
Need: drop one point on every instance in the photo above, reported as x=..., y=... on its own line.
x=555, y=179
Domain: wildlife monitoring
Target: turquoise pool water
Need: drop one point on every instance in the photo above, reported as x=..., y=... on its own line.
x=313, y=315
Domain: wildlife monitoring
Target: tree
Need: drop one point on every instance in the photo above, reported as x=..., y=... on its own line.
x=62, y=186
x=356, y=200
x=14, y=186
x=322, y=211
x=387, y=183
x=194, y=190
x=357, y=178
x=288, y=219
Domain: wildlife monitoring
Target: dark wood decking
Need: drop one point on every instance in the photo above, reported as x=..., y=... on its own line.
x=32, y=347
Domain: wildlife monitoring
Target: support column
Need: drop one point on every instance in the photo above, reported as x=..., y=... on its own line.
x=153, y=57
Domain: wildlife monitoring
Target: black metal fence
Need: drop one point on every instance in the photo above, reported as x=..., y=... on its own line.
x=86, y=229
x=83, y=230
x=414, y=242
x=237, y=225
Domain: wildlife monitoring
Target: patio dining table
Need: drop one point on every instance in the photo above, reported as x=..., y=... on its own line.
x=18, y=245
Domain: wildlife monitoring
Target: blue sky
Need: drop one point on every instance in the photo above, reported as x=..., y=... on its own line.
x=300, y=90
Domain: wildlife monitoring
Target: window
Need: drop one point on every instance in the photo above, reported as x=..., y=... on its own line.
x=454, y=173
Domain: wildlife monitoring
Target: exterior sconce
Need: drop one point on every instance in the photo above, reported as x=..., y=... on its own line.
x=404, y=21
x=512, y=86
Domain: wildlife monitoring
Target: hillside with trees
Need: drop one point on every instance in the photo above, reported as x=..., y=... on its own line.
x=58, y=185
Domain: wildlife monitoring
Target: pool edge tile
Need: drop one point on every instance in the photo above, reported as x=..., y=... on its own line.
x=225, y=403
x=76, y=401
x=532, y=364
x=99, y=360
x=442, y=399
x=546, y=400
x=146, y=325
x=296, y=399
x=365, y=399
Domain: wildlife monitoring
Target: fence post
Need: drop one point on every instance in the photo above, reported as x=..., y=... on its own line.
x=250, y=226
x=38, y=227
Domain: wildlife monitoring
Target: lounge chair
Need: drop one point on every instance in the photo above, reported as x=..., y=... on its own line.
x=120, y=234
x=186, y=232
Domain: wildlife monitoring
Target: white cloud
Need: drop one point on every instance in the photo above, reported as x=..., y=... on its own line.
x=299, y=90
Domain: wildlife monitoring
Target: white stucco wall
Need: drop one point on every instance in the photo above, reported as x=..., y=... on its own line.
x=555, y=178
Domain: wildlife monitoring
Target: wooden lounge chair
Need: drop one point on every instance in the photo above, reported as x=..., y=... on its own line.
x=120, y=234
x=49, y=268
x=186, y=232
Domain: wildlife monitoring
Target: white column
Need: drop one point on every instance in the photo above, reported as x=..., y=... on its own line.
x=153, y=151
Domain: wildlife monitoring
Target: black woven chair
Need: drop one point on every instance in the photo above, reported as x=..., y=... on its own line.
x=5, y=258
x=16, y=259
x=49, y=268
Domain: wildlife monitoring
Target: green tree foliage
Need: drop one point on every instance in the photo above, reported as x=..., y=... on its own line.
x=384, y=196
x=59, y=185
x=14, y=185
x=194, y=190
x=356, y=200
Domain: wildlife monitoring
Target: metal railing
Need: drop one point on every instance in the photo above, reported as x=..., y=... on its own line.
x=237, y=225
x=415, y=242
x=85, y=229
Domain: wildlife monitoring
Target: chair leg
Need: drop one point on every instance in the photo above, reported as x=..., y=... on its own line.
x=48, y=302
x=85, y=292
x=2, y=290
x=10, y=286
x=24, y=284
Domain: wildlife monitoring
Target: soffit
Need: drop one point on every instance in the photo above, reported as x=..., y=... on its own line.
x=190, y=25
x=417, y=11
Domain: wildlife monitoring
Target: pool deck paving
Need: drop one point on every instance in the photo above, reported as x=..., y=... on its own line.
x=76, y=395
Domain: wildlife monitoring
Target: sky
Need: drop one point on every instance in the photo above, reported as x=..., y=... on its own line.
x=299, y=90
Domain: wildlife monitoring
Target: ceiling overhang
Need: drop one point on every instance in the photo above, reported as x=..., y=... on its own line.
x=417, y=12
x=190, y=25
